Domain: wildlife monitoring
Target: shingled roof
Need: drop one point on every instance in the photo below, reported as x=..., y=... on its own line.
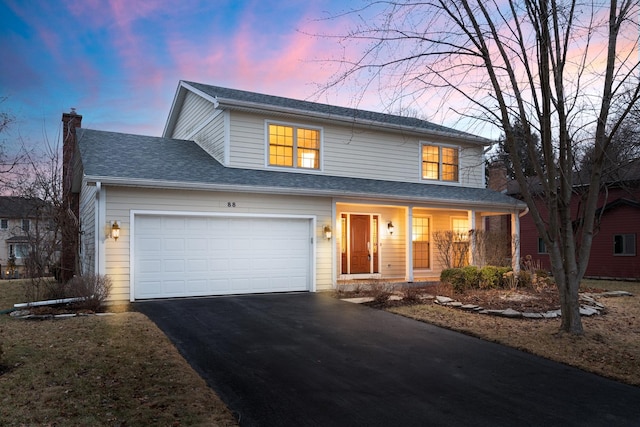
x=233, y=98
x=171, y=163
x=20, y=207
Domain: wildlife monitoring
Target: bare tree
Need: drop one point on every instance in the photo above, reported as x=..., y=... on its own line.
x=8, y=164
x=565, y=71
x=39, y=177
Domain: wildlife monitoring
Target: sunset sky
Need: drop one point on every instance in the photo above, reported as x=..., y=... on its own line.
x=118, y=62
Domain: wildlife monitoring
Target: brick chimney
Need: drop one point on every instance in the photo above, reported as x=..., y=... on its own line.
x=498, y=176
x=498, y=182
x=71, y=200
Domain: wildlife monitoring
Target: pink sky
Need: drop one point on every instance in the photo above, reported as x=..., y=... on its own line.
x=119, y=62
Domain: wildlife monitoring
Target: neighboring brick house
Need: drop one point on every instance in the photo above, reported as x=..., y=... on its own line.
x=19, y=222
x=614, y=251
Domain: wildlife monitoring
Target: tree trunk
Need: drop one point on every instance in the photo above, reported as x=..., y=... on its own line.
x=568, y=288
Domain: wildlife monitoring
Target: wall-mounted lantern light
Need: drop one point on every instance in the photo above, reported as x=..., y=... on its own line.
x=115, y=230
x=390, y=228
x=327, y=232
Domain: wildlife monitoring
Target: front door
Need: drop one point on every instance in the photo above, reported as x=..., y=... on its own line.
x=360, y=244
x=360, y=248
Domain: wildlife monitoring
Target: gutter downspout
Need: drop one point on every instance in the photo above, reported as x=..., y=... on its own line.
x=100, y=220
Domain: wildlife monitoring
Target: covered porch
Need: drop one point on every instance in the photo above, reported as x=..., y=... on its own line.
x=415, y=242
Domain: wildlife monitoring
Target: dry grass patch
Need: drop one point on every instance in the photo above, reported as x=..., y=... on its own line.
x=99, y=370
x=610, y=346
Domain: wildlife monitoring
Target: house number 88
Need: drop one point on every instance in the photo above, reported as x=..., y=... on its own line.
x=231, y=204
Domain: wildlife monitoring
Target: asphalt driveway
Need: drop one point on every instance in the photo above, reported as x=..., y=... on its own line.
x=310, y=360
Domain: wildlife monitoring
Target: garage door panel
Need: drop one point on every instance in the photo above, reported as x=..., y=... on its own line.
x=150, y=266
x=195, y=256
x=173, y=223
x=149, y=244
x=197, y=244
x=174, y=266
x=173, y=287
x=173, y=244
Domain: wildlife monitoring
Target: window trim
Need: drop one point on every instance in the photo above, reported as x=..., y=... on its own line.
x=624, y=248
x=457, y=148
x=294, y=167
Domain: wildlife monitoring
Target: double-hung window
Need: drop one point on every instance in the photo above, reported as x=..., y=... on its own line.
x=440, y=163
x=624, y=244
x=293, y=146
x=420, y=238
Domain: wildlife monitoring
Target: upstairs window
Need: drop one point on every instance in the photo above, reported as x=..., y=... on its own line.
x=4, y=224
x=294, y=146
x=440, y=163
x=624, y=244
x=26, y=225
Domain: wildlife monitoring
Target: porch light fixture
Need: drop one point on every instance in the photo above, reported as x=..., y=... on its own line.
x=390, y=228
x=115, y=230
x=327, y=232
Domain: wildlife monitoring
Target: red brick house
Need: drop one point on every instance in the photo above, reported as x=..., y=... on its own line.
x=614, y=252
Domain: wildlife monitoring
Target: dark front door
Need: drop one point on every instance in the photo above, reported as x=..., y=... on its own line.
x=360, y=237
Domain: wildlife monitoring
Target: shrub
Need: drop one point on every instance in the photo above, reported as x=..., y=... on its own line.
x=525, y=278
x=410, y=293
x=510, y=280
x=471, y=276
x=458, y=278
x=381, y=292
x=489, y=277
x=94, y=289
x=447, y=275
x=501, y=273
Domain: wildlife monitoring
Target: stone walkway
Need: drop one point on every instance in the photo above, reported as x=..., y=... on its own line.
x=589, y=305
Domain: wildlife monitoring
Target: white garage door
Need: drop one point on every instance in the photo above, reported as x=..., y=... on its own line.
x=177, y=256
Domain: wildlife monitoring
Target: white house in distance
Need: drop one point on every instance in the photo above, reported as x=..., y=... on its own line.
x=24, y=222
x=250, y=193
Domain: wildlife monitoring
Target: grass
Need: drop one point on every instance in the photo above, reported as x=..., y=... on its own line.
x=609, y=347
x=97, y=370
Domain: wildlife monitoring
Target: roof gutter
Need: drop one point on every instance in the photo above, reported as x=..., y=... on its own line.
x=178, y=185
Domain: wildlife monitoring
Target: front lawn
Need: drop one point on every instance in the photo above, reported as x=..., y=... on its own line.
x=110, y=370
x=610, y=346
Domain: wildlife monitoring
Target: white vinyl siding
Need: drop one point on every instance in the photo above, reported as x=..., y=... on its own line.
x=195, y=110
x=121, y=201
x=211, y=137
x=87, y=228
x=351, y=152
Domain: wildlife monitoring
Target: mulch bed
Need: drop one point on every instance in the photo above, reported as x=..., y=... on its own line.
x=542, y=299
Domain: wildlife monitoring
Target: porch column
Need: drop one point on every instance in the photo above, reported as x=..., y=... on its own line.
x=472, y=240
x=515, y=242
x=409, y=244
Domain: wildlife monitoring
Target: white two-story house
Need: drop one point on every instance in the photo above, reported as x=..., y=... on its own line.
x=250, y=193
